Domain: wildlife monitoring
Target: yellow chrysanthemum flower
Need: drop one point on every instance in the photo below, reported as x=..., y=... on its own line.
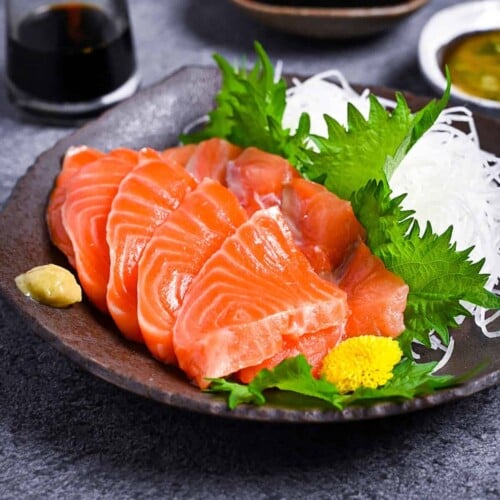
x=365, y=361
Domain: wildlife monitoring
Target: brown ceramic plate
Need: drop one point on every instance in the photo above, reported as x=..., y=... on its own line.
x=155, y=117
x=331, y=22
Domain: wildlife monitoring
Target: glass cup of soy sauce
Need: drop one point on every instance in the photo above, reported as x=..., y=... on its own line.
x=67, y=61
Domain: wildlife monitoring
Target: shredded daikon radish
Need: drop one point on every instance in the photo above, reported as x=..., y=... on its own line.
x=278, y=69
x=317, y=97
x=448, y=351
x=195, y=124
x=448, y=179
x=437, y=345
x=470, y=202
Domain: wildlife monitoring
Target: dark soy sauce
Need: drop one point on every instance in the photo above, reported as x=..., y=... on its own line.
x=69, y=53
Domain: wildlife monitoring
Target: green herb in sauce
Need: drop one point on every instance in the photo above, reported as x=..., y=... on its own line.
x=474, y=64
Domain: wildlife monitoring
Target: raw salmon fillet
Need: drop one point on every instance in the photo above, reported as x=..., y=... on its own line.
x=89, y=195
x=323, y=225
x=326, y=230
x=251, y=293
x=376, y=297
x=314, y=346
x=210, y=159
x=179, y=154
x=257, y=178
x=74, y=159
x=147, y=195
x=174, y=255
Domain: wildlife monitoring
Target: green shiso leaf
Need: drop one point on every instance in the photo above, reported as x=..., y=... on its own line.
x=294, y=375
x=439, y=276
x=409, y=380
x=348, y=158
x=250, y=107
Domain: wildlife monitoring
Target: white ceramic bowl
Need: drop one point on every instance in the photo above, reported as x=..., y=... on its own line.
x=447, y=25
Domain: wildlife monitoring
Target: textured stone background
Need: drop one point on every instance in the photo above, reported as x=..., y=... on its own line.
x=66, y=434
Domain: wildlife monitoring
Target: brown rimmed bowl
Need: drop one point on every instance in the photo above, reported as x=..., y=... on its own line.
x=330, y=22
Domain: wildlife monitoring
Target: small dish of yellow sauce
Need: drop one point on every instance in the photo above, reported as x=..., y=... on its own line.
x=473, y=60
x=464, y=37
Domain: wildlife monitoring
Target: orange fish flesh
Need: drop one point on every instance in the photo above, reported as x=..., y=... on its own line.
x=74, y=159
x=376, y=296
x=147, y=195
x=174, y=255
x=324, y=226
x=257, y=178
x=89, y=195
x=251, y=293
x=210, y=159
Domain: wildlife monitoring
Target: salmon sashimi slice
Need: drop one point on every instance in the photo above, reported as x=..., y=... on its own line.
x=149, y=154
x=376, y=296
x=257, y=178
x=210, y=159
x=126, y=154
x=180, y=154
x=85, y=211
x=74, y=159
x=324, y=226
x=314, y=346
x=253, y=291
x=174, y=255
x=147, y=195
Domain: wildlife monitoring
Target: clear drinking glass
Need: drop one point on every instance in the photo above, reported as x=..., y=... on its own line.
x=69, y=59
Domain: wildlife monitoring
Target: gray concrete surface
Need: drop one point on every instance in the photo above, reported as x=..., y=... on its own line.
x=66, y=434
